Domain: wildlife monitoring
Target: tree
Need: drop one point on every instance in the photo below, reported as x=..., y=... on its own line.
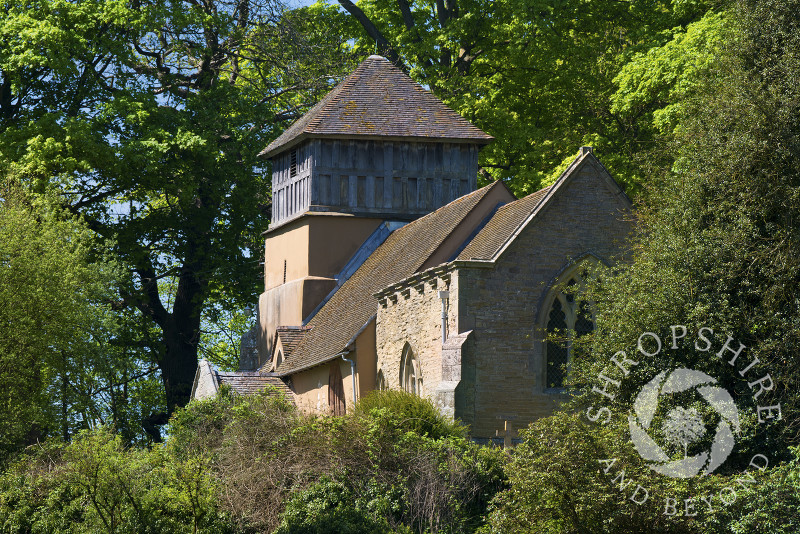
x=537, y=75
x=718, y=243
x=55, y=318
x=569, y=476
x=682, y=427
x=150, y=132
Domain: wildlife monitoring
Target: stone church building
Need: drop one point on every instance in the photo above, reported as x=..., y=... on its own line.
x=387, y=268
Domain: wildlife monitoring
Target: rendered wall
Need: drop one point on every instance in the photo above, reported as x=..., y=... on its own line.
x=311, y=385
x=315, y=245
x=301, y=260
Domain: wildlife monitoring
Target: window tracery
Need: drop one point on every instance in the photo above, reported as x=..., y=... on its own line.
x=568, y=319
x=410, y=372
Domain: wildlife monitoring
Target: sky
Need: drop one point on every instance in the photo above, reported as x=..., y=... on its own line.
x=301, y=3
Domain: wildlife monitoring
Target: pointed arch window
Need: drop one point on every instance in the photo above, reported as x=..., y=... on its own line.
x=410, y=372
x=569, y=318
x=380, y=382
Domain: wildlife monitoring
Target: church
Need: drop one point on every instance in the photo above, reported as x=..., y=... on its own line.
x=386, y=267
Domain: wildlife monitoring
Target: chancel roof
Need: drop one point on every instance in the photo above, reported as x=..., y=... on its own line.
x=501, y=227
x=379, y=100
x=510, y=219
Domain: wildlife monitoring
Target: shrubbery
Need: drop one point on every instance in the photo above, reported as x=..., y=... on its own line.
x=94, y=484
x=255, y=464
x=559, y=485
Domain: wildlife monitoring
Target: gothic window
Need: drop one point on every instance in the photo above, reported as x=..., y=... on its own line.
x=380, y=382
x=279, y=359
x=410, y=372
x=568, y=319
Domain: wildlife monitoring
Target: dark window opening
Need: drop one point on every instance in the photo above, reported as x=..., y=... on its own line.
x=293, y=164
x=569, y=319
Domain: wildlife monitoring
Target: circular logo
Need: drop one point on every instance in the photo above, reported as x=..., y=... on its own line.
x=683, y=426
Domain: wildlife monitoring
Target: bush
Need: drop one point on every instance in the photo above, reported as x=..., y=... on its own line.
x=394, y=464
x=255, y=464
x=409, y=413
x=94, y=484
x=559, y=485
x=330, y=507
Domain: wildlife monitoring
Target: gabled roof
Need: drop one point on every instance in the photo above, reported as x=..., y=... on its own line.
x=379, y=100
x=500, y=227
x=290, y=337
x=509, y=221
x=339, y=322
x=207, y=381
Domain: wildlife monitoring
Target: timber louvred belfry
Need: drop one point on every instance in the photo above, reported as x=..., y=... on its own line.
x=386, y=263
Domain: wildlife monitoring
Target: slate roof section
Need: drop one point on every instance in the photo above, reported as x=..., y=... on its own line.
x=251, y=382
x=379, y=100
x=501, y=227
x=354, y=304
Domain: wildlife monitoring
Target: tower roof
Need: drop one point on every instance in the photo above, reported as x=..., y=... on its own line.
x=378, y=100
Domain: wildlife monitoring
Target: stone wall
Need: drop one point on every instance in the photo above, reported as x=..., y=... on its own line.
x=493, y=369
x=412, y=314
x=503, y=304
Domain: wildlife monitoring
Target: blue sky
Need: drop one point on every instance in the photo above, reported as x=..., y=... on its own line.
x=301, y=3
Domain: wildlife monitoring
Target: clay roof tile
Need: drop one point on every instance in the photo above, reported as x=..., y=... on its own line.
x=379, y=100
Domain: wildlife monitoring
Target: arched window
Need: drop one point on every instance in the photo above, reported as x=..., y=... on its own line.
x=380, y=382
x=410, y=372
x=568, y=319
x=279, y=359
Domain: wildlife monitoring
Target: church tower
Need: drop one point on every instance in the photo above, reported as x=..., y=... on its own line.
x=377, y=151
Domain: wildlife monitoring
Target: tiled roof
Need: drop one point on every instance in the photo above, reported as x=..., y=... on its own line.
x=379, y=100
x=501, y=227
x=512, y=218
x=291, y=337
x=248, y=383
x=352, y=306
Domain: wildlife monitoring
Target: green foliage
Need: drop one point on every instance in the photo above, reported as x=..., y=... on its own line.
x=375, y=470
x=146, y=119
x=562, y=480
x=537, y=75
x=330, y=507
x=770, y=505
x=56, y=322
x=717, y=247
x=95, y=484
x=402, y=412
x=718, y=242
